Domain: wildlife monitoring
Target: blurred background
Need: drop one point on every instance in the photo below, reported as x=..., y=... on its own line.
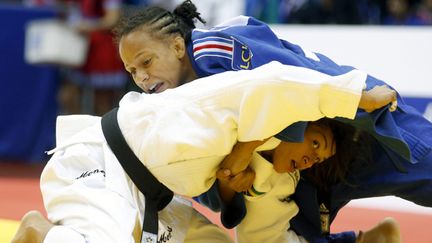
x=53, y=62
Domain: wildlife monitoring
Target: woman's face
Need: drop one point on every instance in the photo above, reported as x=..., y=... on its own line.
x=154, y=64
x=318, y=145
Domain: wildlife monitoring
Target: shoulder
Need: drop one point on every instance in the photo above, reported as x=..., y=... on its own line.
x=227, y=46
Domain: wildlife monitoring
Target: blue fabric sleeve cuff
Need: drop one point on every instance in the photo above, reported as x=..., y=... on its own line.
x=231, y=214
x=234, y=212
x=343, y=237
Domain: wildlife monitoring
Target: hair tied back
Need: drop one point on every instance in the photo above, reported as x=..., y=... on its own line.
x=187, y=11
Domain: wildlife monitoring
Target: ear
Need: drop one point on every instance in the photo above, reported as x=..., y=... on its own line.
x=179, y=46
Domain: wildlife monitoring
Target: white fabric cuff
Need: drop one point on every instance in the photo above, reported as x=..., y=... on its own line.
x=63, y=234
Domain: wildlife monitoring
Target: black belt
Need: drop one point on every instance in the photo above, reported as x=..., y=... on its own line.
x=157, y=196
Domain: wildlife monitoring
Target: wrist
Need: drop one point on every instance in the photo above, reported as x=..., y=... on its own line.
x=251, y=145
x=367, y=101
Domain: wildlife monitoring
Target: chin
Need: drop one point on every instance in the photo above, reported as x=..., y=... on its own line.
x=280, y=170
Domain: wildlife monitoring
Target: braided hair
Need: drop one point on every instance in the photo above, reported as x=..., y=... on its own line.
x=160, y=22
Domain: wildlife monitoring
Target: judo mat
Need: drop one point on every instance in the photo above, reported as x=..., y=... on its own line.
x=7, y=229
x=19, y=193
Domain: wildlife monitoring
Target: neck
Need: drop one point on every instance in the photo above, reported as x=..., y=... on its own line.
x=190, y=74
x=267, y=155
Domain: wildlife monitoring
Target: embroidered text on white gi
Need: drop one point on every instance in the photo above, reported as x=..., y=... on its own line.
x=167, y=237
x=89, y=173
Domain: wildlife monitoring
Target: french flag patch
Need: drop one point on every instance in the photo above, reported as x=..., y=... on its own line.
x=213, y=46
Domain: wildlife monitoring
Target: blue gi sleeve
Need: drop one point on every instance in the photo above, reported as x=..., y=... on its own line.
x=344, y=237
x=247, y=43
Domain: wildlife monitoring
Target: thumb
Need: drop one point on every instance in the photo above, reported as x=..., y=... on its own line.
x=223, y=174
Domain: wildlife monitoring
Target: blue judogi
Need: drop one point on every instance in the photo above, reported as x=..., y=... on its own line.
x=391, y=172
x=402, y=158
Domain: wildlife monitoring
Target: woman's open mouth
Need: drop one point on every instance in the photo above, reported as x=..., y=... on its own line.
x=155, y=88
x=293, y=164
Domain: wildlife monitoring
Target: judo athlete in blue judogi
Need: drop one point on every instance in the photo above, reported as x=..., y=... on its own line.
x=400, y=166
x=402, y=158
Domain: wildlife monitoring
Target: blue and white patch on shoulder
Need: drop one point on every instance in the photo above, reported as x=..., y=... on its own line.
x=213, y=46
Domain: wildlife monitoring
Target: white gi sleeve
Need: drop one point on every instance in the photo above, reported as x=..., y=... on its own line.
x=80, y=192
x=192, y=127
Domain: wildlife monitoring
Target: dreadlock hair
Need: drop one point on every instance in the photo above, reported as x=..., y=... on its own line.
x=161, y=22
x=352, y=148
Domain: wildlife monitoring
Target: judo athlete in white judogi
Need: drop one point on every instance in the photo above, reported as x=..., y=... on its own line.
x=268, y=214
x=181, y=136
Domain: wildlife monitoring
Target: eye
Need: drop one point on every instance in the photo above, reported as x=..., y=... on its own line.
x=147, y=62
x=317, y=160
x=315, y=144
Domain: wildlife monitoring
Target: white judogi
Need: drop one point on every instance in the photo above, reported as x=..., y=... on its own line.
x=270, y=210
x=181, y=136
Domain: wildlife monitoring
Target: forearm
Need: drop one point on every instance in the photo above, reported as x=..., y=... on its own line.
x=239, y=158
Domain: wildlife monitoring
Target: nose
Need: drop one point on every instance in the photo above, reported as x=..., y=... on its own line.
x=308, y=161
x=141, y=78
